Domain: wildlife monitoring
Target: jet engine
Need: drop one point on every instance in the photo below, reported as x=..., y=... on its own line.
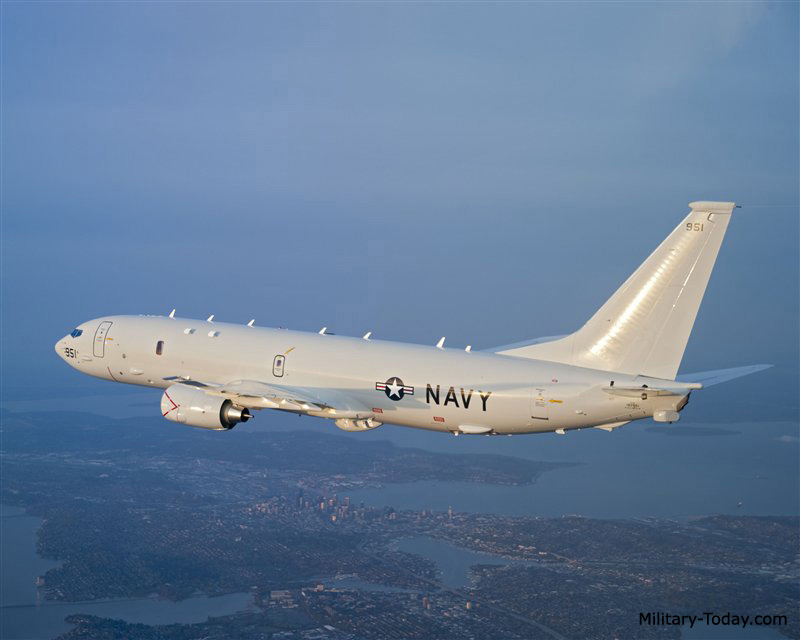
x=188, y=405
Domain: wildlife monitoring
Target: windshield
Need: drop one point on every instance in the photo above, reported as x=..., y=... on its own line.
x=76, y=332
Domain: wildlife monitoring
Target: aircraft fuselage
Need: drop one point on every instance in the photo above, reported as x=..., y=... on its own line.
x=441, y=389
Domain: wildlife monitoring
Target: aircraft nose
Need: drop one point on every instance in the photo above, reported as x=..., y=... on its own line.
x=60, y=346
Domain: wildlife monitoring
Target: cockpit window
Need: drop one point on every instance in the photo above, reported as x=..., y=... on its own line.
x=76, y=332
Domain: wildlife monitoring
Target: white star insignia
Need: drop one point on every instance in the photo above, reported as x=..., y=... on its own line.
x=395, y=388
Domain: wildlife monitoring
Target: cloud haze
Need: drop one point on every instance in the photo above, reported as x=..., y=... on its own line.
x=486, y=171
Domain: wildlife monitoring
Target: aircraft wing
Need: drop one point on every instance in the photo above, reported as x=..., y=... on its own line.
x=259, y=395
x=254, y=394
x=710, y=378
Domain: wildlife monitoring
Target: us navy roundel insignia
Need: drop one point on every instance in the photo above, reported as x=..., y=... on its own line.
x=394, y=389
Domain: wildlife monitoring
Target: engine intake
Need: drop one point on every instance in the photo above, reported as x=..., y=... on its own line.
x=194, y=407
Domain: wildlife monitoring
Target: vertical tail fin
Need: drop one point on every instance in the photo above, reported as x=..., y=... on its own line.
x=644, y=327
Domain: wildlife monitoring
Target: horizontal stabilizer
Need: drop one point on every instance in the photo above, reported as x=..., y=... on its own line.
x=710, y=378
x=635, y=392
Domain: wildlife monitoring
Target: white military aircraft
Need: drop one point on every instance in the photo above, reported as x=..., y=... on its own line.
x=620, y=366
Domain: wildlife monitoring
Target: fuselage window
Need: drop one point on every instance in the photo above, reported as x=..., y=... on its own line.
x=76, y=332
x=159, y=347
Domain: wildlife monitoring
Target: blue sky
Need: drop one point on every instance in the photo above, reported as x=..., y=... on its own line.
x=489, y=172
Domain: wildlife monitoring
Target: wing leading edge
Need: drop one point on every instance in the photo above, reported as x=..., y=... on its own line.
x=254, y=394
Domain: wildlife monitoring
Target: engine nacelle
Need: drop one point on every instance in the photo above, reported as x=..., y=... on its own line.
x=187, y=405
x=350, y=424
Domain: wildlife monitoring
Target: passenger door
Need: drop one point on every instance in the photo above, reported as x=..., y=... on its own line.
x=100, y=339
x=277, y=365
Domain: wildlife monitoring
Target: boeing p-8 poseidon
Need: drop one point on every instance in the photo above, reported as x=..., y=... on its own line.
x=620, y=366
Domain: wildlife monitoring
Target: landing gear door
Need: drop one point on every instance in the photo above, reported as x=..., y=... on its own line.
x=100, y=339
x=539, y=411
